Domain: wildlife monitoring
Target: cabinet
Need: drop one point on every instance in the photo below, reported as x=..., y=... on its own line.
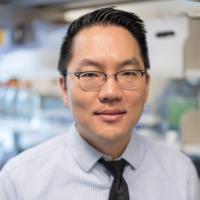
x=192, y=50
x=166, y=41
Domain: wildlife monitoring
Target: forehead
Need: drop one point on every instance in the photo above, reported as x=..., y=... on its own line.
x=98, y=34
x=105, y=44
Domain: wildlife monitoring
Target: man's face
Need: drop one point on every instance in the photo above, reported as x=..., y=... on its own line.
x=109, y=114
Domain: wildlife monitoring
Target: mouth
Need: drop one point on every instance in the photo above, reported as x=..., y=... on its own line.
x=110, y=115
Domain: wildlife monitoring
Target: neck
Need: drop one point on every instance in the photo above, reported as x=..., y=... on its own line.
x=115, y=152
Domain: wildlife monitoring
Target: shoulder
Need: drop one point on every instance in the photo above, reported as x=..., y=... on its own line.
x=36, y=156
x=172, y=161
x=171, y=167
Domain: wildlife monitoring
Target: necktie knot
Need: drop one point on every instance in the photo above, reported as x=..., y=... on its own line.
x=116, y=167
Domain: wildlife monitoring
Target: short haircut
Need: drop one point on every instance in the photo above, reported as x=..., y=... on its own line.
x=104, y=17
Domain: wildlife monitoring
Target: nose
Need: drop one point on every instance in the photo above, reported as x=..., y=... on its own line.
x=111, y=91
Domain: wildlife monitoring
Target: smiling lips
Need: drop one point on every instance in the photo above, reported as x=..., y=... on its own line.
x=110, y=115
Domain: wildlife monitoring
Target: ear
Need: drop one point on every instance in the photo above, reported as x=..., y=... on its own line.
x=147, y=87
x=63, y=85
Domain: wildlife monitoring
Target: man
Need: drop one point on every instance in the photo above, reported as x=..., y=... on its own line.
x=105, y=84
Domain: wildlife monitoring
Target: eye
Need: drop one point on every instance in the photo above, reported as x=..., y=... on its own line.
x=129, y=74
x=89, y=75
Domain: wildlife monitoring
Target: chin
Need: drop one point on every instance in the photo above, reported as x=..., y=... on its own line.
x=112, y=135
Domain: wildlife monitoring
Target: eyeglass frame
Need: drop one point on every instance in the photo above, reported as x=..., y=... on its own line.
x=78, y=74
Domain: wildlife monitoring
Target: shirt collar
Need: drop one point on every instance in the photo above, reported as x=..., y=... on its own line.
x=84, y=154
x=135, y=151
x=87, y=156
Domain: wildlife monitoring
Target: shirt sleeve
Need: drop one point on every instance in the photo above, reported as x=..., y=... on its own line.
x=7, y=189
x=194, y=185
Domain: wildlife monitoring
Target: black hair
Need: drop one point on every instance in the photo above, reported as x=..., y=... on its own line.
x=104, y=17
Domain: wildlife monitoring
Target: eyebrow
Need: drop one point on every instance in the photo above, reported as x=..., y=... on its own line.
x=132, y=61
x=88, y=62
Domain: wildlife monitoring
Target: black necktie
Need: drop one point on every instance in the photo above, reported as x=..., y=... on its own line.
x=119, y=188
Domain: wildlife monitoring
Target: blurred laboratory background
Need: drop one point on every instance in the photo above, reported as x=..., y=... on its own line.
x=31, y=107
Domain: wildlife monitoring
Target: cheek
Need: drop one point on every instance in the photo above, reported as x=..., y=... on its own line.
x=136, y=98
x=135, y=102
x=80, y=102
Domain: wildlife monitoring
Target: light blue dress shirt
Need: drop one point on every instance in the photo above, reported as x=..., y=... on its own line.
x=67, y=168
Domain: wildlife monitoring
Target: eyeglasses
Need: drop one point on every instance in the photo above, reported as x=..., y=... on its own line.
x=94, y=80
